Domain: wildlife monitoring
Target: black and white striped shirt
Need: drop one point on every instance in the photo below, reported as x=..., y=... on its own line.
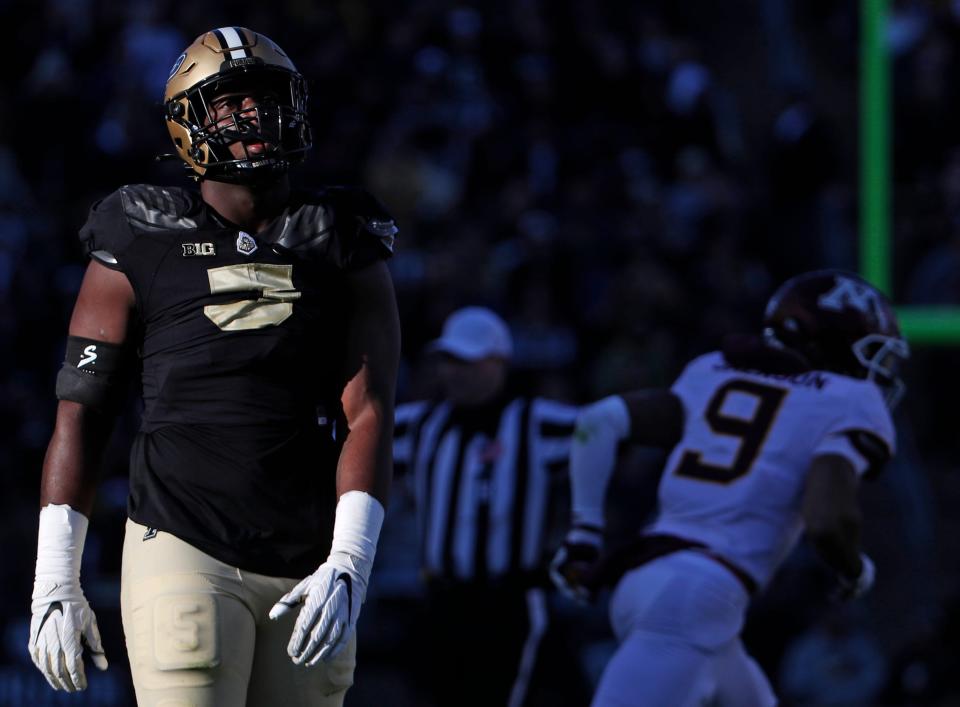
x=485, y=483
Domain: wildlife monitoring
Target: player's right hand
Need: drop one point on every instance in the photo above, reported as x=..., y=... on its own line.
x=63, y=624
x=576, y=562
x=855, y=588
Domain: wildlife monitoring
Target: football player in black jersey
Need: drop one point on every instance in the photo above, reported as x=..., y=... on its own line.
x=264, y=324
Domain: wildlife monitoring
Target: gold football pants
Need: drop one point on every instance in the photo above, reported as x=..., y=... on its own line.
x=198, y=632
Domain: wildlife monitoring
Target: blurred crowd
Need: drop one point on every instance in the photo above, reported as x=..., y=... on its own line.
x=624, y=182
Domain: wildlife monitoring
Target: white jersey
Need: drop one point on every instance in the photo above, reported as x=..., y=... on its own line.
x=735, y=481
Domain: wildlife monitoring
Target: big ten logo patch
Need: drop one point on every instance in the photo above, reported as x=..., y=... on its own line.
x=195, y=249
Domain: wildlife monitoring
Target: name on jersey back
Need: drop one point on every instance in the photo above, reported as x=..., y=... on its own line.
x=807, y=379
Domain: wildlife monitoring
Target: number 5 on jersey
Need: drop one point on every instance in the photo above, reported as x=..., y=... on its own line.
x=272, y=285
x=751, y=430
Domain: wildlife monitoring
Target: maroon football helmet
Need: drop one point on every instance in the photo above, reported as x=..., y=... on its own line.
x=837, y=321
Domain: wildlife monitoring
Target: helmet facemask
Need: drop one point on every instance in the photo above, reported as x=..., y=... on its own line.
x=881, y=356
x=279, y=121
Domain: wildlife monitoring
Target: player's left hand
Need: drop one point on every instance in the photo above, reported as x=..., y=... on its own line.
x=576, y=561
x=329, y=601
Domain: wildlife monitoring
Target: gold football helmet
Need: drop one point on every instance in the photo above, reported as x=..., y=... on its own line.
x=236, y=60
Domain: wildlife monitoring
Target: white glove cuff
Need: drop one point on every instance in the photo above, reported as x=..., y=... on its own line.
x=593, y=452
x=355, y=533
x=60, y=543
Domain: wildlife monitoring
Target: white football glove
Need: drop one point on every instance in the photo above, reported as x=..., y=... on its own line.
x=330, y=598
x=575, y=561
x=63, y=623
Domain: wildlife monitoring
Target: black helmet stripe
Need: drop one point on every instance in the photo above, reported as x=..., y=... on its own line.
x=232, y=38
x=220, y=38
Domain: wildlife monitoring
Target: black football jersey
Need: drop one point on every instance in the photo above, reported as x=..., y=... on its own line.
x=241, y=344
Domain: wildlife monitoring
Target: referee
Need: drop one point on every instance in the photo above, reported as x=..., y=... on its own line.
x=487, y=469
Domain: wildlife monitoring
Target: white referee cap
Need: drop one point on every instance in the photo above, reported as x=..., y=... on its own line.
x=473, y=333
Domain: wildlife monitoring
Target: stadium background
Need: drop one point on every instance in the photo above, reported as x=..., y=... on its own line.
x=623, y=181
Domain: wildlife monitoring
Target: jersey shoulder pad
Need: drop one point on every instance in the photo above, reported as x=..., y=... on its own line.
x=116, y=221
x=694, y=372
x=344, y=226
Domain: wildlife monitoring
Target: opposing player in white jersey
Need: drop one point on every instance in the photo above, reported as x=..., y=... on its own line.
x=769, y=439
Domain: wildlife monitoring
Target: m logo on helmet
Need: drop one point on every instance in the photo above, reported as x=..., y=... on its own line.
x=849, y=293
